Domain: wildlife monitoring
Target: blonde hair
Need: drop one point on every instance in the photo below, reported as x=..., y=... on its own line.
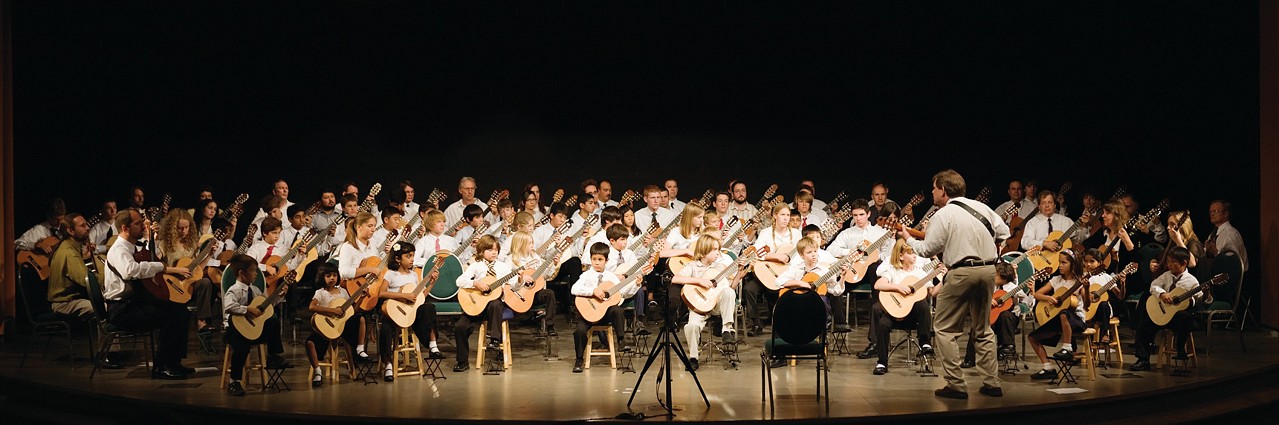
x=521, y=244
x=704, y=245
x=169, y=230
x=522, y=218
x=899, y=250
x=361, y=218
x=687, y=227
x=433, y=216
x=1187, y=229
x=804, y=244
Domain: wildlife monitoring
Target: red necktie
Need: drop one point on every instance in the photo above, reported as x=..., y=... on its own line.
x=269, y=248
x=803, y=222
x=437, y=244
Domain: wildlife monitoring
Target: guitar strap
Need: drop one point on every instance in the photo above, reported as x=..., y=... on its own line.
x=128, y=287
x=979, y=217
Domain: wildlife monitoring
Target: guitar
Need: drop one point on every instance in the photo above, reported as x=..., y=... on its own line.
x=768, y=193
x=1161, y=313
x=1066, y=299
x=514, y=295
x=372, y=283
x=496, y=196
x=331, y=326
x=452, y=267
x=156, y=284
x=404, y=314
x=837, y=200
x=1003, y=299
x=819, y=282
x=1142, y=219
x=898, y=305
x=251, y=328
x=593, y=309
x=1101, y=293
x=249, y=233
x=179, y=288
x=473, y=300
x=750, y=224
x=1011, y=244
x=704, y=300
x=861, y=260
x=983, y=195
x=1162, y=265
x=766, y=271
x=1095, y=225
x=628, y=198
x=577, y=235
x=38, y=258
x=1042, y=258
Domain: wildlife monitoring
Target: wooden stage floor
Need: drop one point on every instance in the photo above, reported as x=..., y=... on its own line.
x=538, y=389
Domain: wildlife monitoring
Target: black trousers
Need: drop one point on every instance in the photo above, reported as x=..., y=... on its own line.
x=615, y=316
x=920, y=318
x=493, y=313
x=240, y=345
x=755, y=298
x=170, y=318
x=1181, y=324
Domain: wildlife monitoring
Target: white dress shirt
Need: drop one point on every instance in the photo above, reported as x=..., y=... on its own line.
x=425, y=247
x=1037, y=229
x=956, y=234
x=1229, y=240
x=120, y=256
x=591, y=279
x=644, y=216
x=851, y=239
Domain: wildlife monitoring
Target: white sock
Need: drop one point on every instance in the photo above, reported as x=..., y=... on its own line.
x=434, y=347
x=1050, y=366
x=1068, y=347
x=318, y=371
x=388, y=367
x=359, y=348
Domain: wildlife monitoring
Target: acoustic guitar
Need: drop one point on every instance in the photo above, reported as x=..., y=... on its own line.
x=864, y=256
x=899, y=305
x=179, y=288
x=494, y=197
x=704, y=300
x=1107, y=251
x=331, y=326
x=156, y=285
x=818, y=282
x=251, y=328
x=1043, y=258
x=1101, y=293
x=404, y=314
x=1066, y=299
x=1161, y=313
x=768, y=194
x=1003, y=299
x=593, y=309
x=519, y=297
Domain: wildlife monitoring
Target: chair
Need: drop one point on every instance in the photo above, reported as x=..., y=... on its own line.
x=331, y=363
x=610, y=352
x=863, y=289
x=507, y=315
x=798, y=333
x=110, y=335
x=1225, y=311
x=404, y=352
x=45, y=321
x=924, y=363
x=1167, y=349
x=1113, y=348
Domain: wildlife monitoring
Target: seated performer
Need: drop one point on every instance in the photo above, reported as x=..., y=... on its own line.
x=523, y=256
x=706, y=253
x=1062, y=327
x=484, y=264
x=236, y=302
x=399, y=273
x=317, y=345
x=1104, y=310
x=68, y=269
x=588, y=285
x=1176, y=277
x=903, y=263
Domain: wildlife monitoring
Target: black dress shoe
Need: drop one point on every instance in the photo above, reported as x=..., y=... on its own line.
x=577, y=365
x=1044, y=374
x=108, y=363
x=1008, y=349
x=867, y=353
x=461, y=367
x=968, y=364
x=165, y=373
x=1064, y=355
x=1140, y=365
x=949, y=392
x=693, y=365
x=776, y=363
x=435, y=354
x=729, y=337
x=755, y=330
x=235, y=389
x=991, y=391
x=640, y=329
x=550, y=331
x=880, y=369
x=926, y=350
x=388, y=376
x=625, y=348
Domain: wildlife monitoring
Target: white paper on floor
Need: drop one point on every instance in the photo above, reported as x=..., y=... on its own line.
x=1073, y=390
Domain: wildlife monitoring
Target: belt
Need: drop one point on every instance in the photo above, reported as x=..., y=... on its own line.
x=973, y=263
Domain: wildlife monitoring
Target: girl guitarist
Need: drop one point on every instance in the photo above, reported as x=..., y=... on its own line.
x=902, y=264
x=1113, y=240
x=780, y=240
x=317, y=345
x=355, y=250
x=1062, y=327
x=524, y=256
x=178, y=240
x=400, y=273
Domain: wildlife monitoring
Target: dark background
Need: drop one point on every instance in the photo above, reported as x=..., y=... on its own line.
x=1161, y=97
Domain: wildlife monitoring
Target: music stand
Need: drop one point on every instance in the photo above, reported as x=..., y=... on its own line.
x=664, y=344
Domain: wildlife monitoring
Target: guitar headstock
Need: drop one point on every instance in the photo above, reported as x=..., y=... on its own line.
x=838, y=198
x=497, y=195
x=436, y=196
x=571, y=201
x=370, y=199
x=628, y=198
x=1220, y=278
x=590, y=221
x=1128, y=269
x=705, y=200
x=771, y=190
x=1159, y=209
x=983, y=196
x=237, y=207
x=557, y=196
x=313, y=209
x=1013, y=208
x=375, y=190
x=1119, y=193
x=249, y=233
x=914, y=200
x=1065, y=187
x=1040, y=276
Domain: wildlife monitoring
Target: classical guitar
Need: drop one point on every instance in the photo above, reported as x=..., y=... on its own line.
x=593, y=309
x=704, y=300
x=1066, y=299
x=156, y=285
x=404, y=314
x=331, y=326
x=861, y=259
x=519, y=297
x=1011, y=244
x=1162, y=265
x=768, y=194
x=251, y=328
x=179, y=288
x=1161, y=313
x=473, y=300
x=372, y=283
x=574, y=238
x=38, y=258
x=818, y=282
x=899, y=305
x=1101, y=293
x=1003, y=299
x=766, y=271
x=836, y=201
x=1043, y=258
x=236, y=208
x=494, y=198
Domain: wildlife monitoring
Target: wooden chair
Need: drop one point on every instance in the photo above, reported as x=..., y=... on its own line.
x=331, y=363
x=404, y=352
x=506, y=342
x=259, y=367
x=1168, y=349
x=611, y=351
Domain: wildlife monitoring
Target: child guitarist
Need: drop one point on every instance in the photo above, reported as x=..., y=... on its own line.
x=236, y=302
x=399, y=273
x=587, y=285
x=316, y=344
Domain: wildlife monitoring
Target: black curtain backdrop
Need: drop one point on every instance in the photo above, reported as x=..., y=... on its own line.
x=1161, y=97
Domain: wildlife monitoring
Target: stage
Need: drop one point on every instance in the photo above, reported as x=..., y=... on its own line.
x=48, y=390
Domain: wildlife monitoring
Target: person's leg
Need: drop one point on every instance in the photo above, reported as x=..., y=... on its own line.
x=693, y=333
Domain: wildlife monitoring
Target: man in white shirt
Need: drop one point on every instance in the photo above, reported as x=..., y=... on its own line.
x=466, y=188
x=740, y=207
x=100, y=233
x=1045, y=223
x=852, y=239
x=654, y=209
x=672, y=196
x=1016, y=195
x=604, y=194
x=30, y=239
x=1225, y=238
x=818, y=204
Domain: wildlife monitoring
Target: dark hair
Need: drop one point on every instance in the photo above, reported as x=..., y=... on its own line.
x=1006, y=271
x=611, y=213
x=599, y=248
x=397, y=195
x=68, y=222
x=56, y=208
x=390, y=211
x=585, y=198
x=558, y=208
x=951, y=182
x=294, y=209
x=323, y=269
x=398, y=249
x=199, y=213
x=1181, y=255
x=472, y=211
x=240, y=263
x=270, y=224
x=589, y=182
x=810, y=229
x=271, y=201
x=861, y=204
x=219, y=223
x=617, y=231
x=348, y=198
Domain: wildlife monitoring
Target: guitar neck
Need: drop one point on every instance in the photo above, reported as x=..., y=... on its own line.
x=1073, y=288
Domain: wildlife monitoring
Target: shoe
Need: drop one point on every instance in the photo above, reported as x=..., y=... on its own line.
x=776, y=363
x=494, y=343
x=207, y=329
x=640, y=329
x=729, y=336
x=363, y=358
x=926, y=350
x=539, y=314
x=577, y=365
x=652, y=306
x=949, y=392
x=276, y=361
x=840, y=328
x=880, y=369
x=1008, y=349
x=867, y=353
x=388, y=376
x=968, y=364
x=235, y=389
x=550, y=331
x=693, y=365
x=625, y=348
x=108, y=363
x=316, y=380
x=166, y=373
x=991, y=391
x=1064, y=355
x=1140, y=365
x=435, y=354
x=1044, y=374
x=754, y=330
x=461, y=367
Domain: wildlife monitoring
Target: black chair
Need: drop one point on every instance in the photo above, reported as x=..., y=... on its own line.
x=1225, y=311
x=798, y=333
x=109, y=334
x=43, y=320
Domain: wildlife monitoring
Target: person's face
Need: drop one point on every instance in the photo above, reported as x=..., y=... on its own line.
x=328, y=200
x=628, y=218
x=598, y=262
x=537, y=192
x=721, y=203
x=408, y=194
x=809, y=183
x=507, y=213
x=860, y=217
x=1047, y=206
x=1217, y=214
x=810, y=256
x=138, y=197
x=1064, y=260
x=524, y=227
x=476, y=221
x=698, y=219
x=467, y=190
x=271, y=237
x=184, y=228
x=1129, y=205
x=1091, y=263
x=137, y=226
x=490, y=254
x=210, y=210
x=1030, y=190
x=558, y=219
x=672, y=189
x=815, y=236
x=739, y=193
x=330, y=280
x=248, y=275
x=281, y=189
x=406, y=261
x=438, y=227
x=589, y=206
x=365, y=230
x=110, y=210
x=712, y=256
x=275, y=212
x=591, y=190
x=939, y=196
x=79, y=229
x=795, y=224
x=351, y=208
x=530, y=202
x=1090, y=202
x=205, y=195
x=782, y=218
x=299, y=219
x=909, y=257
x=879, y=194
x=1176, y=267
x=1108, y=218
x=605, y=192
x=654, y=200
x=393, y=222
x=1014, y=191
x=619, y=243
x=352, y=189
x=666, y=197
